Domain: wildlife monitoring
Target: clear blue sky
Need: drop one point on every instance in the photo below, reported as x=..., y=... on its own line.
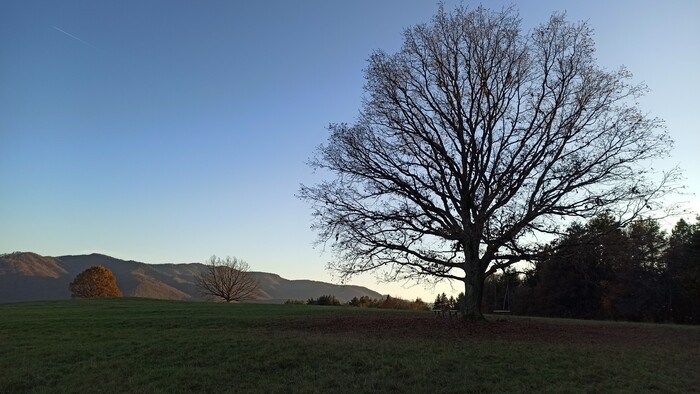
x=168, y=131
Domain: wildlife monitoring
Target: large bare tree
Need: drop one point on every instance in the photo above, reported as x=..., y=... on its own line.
x=473, y=140
x=227, y=279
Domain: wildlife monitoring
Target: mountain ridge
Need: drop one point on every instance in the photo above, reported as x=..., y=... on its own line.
x=28, y=276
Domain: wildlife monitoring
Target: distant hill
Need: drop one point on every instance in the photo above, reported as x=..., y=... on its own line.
x=26, y=276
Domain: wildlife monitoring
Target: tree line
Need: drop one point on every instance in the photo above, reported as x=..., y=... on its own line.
x=600, y=270
x=366, y=302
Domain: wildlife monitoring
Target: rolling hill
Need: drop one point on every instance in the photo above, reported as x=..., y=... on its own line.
x=26, y=276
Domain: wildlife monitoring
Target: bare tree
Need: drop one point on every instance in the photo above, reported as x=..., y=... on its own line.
x=475, y=139
x=227, y=279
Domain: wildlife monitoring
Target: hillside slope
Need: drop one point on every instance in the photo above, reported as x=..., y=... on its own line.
x=26, y=276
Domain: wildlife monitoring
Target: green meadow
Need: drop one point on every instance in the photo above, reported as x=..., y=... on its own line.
x=148, y=346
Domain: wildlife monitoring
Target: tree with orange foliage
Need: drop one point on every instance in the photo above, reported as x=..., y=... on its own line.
x=95, y=282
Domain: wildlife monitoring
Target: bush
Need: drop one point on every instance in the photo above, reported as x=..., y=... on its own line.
x=95, y=282
x=324, y=300
x=389, y=303
x=364, y=302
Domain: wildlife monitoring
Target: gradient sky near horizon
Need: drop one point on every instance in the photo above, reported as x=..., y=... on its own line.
x=168, y=131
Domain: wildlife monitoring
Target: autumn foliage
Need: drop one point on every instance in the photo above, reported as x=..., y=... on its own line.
x=95, y=282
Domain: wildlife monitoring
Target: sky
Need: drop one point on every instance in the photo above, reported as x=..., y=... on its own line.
x=169, y=131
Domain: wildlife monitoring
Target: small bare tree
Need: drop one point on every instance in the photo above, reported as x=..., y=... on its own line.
x=227, y=279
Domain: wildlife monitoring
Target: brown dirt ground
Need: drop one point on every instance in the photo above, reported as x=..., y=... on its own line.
x=510, y=329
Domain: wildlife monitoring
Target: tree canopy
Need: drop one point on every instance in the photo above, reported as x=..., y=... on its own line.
x=598, y=270
x=95, y=282
x=474, y=139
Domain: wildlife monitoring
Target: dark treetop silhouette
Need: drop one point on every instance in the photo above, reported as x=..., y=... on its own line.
x=474, y=138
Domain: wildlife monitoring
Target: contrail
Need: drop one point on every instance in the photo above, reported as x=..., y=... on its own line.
x=76, y=38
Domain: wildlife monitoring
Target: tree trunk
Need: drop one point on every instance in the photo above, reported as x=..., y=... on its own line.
x=473, y=286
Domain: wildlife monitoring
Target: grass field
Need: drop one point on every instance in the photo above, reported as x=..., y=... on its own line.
x=148, y=346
